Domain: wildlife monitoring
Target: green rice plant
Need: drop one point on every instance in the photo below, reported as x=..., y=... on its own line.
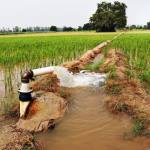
x=39, y=51
x=94, y=67
x=137, y=48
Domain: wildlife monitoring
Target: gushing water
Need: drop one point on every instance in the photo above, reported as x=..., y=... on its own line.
x=68, y=79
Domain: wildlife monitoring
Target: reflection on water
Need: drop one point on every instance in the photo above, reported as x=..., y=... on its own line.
x=89, y=126
x=9, y=83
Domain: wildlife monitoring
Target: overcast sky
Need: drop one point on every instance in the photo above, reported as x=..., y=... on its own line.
x=25, y=13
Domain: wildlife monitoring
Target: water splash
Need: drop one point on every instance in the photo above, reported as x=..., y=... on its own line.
x=68, y=79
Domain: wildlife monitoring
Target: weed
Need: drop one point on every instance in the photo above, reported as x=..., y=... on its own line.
x=94, y=67
x=145, y=76
x=114, y=89
x=130, y=73
x=139, y=127
x=121, y=107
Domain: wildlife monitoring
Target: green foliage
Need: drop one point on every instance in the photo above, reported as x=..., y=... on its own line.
x=38, y=51
x=114, y=89
x=53, y=28
x=130, y=73
x=139, y=127
x=111, y=70
x=113, y=74
x=94, y=67
x=148, y=25
x=145, y=76
x=88, y=26
x=137, y=48
x=68, y=29
x=109, y=16
x=80, y=28
x=121, y=107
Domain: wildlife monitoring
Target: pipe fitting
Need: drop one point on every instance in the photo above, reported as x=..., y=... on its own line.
x=25, y=92
x=27, y=76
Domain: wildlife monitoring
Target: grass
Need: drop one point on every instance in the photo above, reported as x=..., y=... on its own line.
x=137, y=48
x=139, y=129
x=94, y=67
x=121, y=107
x=44, y=50
x=114, y=90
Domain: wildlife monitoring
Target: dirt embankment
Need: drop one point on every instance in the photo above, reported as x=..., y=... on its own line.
x=126, y=92
x=79, y=64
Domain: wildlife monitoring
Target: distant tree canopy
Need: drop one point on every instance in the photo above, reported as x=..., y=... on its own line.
x=24, y=30
x=68, y=29
x=109, y=16
x=148, y=25
x=143, y=27
x=53, y=28
x=80, y=28
x=88, y=26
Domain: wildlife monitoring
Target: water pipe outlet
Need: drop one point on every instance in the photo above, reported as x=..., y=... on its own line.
x=25, y=92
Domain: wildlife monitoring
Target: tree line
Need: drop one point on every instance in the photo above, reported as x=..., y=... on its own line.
x=108, y=17
x=37, y=29
x=85, y=27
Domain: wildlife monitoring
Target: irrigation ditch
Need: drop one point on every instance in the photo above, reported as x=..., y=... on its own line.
x=84, y=109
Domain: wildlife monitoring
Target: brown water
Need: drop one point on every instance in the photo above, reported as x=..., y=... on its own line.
x=89, y=126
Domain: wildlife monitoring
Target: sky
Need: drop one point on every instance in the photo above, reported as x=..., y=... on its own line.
x=61, y=13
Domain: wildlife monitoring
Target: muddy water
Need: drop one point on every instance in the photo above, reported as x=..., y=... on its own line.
x=89, y=126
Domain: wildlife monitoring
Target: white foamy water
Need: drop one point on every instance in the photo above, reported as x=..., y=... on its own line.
x=68, y=79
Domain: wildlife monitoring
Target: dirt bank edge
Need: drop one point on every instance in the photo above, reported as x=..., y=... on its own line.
x=126, y=92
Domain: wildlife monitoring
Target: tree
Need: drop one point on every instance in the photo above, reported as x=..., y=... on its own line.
x=53, y=28
x=145, y=27
x=80, y=28
x=68, y=29
x=87, y=26
x=148, y=25
x=109, y=17
x=24, y=30
x=132, y=27
x=16, y=29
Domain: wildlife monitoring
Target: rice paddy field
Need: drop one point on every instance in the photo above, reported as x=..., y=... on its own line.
x=53, y=49
x=28, y=51
x=137, y=48
x=19, y=52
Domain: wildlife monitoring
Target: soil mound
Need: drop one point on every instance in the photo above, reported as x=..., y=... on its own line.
x=126, y=92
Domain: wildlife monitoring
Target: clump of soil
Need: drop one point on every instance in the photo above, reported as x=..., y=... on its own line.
x=43, y=113
x=47, y=83
x=126, y=93
x=12, y=139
